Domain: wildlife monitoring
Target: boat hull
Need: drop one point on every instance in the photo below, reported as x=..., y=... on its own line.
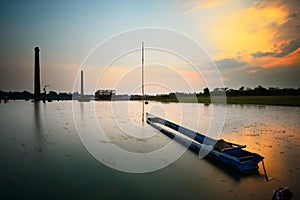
x=235, y=157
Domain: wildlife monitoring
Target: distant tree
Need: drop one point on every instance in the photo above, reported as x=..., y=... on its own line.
x=52, y=93
x=232, y=92
x=172, y=95
x=260, y=90
x=206, y=91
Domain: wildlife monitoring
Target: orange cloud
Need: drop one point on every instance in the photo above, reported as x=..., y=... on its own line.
x=270, y=62
x=248, y=31
x=192, y=76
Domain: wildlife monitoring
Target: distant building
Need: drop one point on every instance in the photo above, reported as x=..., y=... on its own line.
x=105, y=95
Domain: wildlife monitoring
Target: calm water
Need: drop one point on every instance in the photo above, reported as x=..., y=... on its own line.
x=42, y=156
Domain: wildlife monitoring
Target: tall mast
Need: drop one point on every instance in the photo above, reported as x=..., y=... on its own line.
x=143, y=92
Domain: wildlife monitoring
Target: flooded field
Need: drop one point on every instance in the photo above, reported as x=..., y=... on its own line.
x=64, y=150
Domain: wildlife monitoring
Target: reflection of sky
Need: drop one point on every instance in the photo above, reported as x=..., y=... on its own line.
x=254, y=43
x=64, y=163
x=271, y=131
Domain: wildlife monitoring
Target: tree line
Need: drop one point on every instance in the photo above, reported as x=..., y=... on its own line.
x=242, y=91
x=257, y=91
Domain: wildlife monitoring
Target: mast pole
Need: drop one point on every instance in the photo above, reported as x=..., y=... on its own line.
x=143, y=91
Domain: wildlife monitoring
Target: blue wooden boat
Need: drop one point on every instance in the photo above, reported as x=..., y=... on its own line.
x=228, y=153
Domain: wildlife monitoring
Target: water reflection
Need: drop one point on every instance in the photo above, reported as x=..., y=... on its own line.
x=37, y=117
x=39, y=134
x=233, y=174
x=43, y=153
x=272, y=131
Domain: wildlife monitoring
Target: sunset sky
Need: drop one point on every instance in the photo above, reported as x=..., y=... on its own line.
x=252, y=42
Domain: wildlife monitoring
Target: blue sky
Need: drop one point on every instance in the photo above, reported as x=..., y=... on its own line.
x=240, y=36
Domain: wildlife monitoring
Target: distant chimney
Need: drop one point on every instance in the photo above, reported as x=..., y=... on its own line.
x=37, y=85
x=82, y=90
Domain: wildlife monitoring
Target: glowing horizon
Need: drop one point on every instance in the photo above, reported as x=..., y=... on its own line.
x=252, y=42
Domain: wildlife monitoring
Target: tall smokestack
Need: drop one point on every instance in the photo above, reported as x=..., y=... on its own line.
x=37, y=86
x=82, y=93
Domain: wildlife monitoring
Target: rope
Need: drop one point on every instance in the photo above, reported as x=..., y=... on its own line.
x=266, y=176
